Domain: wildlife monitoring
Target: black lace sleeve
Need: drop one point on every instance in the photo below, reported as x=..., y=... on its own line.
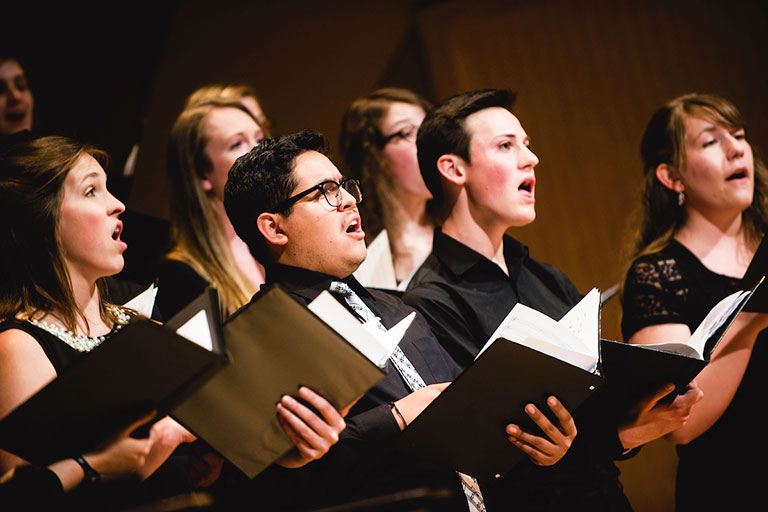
x=654, y=293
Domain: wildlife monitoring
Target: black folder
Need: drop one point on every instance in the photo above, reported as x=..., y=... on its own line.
x=464, y=428
x=634, y=371
x=275, y=345
x=142, y=367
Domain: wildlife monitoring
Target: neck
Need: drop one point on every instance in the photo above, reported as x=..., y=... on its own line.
x=717, y=240
x=469, y=228
x=702, y=228
x=409, y=229
x=87, y=300
x=251, y=268
x=229, y=230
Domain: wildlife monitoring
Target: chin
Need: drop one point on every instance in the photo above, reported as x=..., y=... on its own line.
x=523, y=220
x=355, y=260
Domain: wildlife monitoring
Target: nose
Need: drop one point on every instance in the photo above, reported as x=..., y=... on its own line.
x=347, y=200
x=529, y=158
x=116, y=207
x=14, y=93
x=735, y=146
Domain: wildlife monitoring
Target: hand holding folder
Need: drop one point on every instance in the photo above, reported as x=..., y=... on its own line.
x=276, y=345
x=145, y=366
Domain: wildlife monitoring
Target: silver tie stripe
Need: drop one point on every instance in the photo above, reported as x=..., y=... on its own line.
x=412, y=379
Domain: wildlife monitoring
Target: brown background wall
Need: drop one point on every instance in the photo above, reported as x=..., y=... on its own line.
x=588, y=76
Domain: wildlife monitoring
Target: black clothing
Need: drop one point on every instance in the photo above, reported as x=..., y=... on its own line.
x=465, y=297
x=61, y=355
x=148, y=239
x=172, y=477
x=673, y=286
x=177, y=285
x=32, y=488
x=362, y=463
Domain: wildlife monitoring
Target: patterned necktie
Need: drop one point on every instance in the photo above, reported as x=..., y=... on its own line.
x=412, y=379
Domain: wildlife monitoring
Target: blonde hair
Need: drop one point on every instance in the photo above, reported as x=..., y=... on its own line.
x=231, y=92
x=196, y=228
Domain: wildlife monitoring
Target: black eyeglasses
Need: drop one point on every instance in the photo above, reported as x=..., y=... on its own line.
x=331, y=192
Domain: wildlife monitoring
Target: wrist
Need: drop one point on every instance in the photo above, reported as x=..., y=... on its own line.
x=90, y=475
x=399, y=418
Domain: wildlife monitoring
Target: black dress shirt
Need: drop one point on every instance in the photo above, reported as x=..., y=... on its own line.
x=464, y=297
x=362, y=463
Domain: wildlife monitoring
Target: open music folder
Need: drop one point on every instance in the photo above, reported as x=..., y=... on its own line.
x=143, y=366
x=275, y=345
x=530, y=357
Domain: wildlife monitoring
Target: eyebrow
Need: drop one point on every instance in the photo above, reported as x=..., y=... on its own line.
x=514, y=136
x=337, y=179
x=92, y=174
x=710, y=128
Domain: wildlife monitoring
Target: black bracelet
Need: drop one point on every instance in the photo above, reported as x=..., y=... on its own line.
x=393, y=407
x=91, y=476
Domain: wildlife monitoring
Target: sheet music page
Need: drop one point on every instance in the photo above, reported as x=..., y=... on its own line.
x=367, y=338
x=197, y=330
x=526, y=326
x=144, y=302
x=378, y=270
x=395, y=333
x=716, y=317
x=583, y=320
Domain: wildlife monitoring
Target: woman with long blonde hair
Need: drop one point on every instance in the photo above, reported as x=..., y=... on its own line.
x=205, y=141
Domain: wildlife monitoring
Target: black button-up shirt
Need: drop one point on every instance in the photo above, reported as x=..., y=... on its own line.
x=464, y=297
x=362, y=464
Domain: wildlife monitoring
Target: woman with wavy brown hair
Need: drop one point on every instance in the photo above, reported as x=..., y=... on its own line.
x=378, y=144
x=60, y=237
x=704, y=212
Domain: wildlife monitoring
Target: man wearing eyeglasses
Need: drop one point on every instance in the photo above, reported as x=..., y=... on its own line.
x=299, y=217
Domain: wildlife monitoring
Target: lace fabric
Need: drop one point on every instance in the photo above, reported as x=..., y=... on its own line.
x=654, y=293
x=670, y=286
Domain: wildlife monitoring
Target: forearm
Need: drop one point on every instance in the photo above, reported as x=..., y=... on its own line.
x=69, y=473
x=719, y=382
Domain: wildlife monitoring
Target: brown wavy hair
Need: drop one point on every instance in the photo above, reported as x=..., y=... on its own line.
x=35, y=279
x=361, y=143
x=660, y=215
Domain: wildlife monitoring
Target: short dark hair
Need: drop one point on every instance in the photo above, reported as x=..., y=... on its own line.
x=263, y=178
x=443, y=132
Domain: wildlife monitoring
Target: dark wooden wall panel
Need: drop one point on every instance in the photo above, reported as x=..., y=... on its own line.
x=589, y=74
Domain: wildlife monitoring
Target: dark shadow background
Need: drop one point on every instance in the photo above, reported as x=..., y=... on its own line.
x=588, y=75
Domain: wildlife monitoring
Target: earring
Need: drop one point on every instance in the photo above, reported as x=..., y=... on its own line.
x=680, y=198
